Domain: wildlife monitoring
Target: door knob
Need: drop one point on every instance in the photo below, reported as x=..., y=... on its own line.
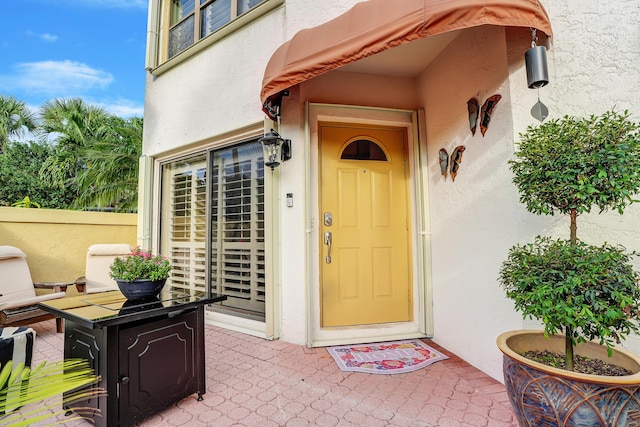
x=328, y=237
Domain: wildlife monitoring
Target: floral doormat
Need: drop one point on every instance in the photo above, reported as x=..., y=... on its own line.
x=395, y=357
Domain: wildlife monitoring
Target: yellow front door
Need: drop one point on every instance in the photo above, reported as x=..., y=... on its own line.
x=365, y=225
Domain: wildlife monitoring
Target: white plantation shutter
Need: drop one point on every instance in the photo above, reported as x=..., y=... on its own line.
x=236, y=225
x=184, y=223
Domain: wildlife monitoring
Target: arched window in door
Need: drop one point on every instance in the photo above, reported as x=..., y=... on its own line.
x=363, y=149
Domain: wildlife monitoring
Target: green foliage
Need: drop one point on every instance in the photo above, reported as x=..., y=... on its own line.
x=15, y=119
x=570, y=165
x=75, y=126
x=593, y=289
x=26, y=203
x=577, y=163
x=86, y=158
x=20, y=386
x=96, y=156
x=110, y=178
x=19, y=168
x=140, y=265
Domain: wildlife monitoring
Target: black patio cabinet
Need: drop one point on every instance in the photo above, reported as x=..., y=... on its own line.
x=149, y=355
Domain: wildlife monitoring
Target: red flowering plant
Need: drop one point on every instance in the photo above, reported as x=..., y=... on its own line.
x=140, y=264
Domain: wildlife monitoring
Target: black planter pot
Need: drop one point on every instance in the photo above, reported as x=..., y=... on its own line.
x=141, y=289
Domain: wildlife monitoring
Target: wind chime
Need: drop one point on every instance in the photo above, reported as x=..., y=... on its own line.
x=535, y=60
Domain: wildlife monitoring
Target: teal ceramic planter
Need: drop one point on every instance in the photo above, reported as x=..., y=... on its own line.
x=544, y=396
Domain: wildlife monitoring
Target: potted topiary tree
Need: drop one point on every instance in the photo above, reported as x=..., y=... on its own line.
x=586, y=296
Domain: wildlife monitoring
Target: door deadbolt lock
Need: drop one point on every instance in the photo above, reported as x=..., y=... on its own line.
x=328, y=219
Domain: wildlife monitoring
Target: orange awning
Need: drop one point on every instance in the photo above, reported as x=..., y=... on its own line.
x=373, y=26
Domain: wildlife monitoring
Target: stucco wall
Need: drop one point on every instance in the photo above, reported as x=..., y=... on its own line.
x=475, y=218
x=593, y=66
x=56, y=241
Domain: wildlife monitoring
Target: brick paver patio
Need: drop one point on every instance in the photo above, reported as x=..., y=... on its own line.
x=254, y=382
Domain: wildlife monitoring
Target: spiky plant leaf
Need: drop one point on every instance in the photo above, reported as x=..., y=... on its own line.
x=45, y=381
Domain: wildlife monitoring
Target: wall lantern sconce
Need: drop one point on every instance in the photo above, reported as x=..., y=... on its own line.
x=276, y=149
x=535, y=60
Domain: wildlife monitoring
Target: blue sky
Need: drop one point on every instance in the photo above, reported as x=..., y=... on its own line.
x=92, y=49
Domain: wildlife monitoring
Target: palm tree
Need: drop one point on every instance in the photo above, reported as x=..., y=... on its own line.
x=110, y=178
x=96, y=154
x=15, y=119
x=73, y=125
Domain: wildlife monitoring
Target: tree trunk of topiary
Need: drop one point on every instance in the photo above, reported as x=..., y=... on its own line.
x=573, y=228
x=568, y=349
x=568, y=353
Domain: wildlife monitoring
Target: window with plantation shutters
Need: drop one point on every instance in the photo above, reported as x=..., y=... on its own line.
x=237, y=226
x=184, y=235
x=234, y=238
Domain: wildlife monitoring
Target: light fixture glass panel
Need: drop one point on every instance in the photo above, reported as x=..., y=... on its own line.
x=272, y=154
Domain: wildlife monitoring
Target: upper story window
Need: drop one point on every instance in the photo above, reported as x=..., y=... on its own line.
x=179, y=29
x=192, y=20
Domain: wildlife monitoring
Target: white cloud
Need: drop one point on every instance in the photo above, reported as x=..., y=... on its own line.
x=121, y=107
x=48, y=37
x=67, y=79
x=56, y=78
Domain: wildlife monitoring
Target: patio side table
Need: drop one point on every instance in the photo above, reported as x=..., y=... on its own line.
x=149, y=354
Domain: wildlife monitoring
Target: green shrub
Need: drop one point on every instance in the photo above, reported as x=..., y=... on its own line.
x=569, y=166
